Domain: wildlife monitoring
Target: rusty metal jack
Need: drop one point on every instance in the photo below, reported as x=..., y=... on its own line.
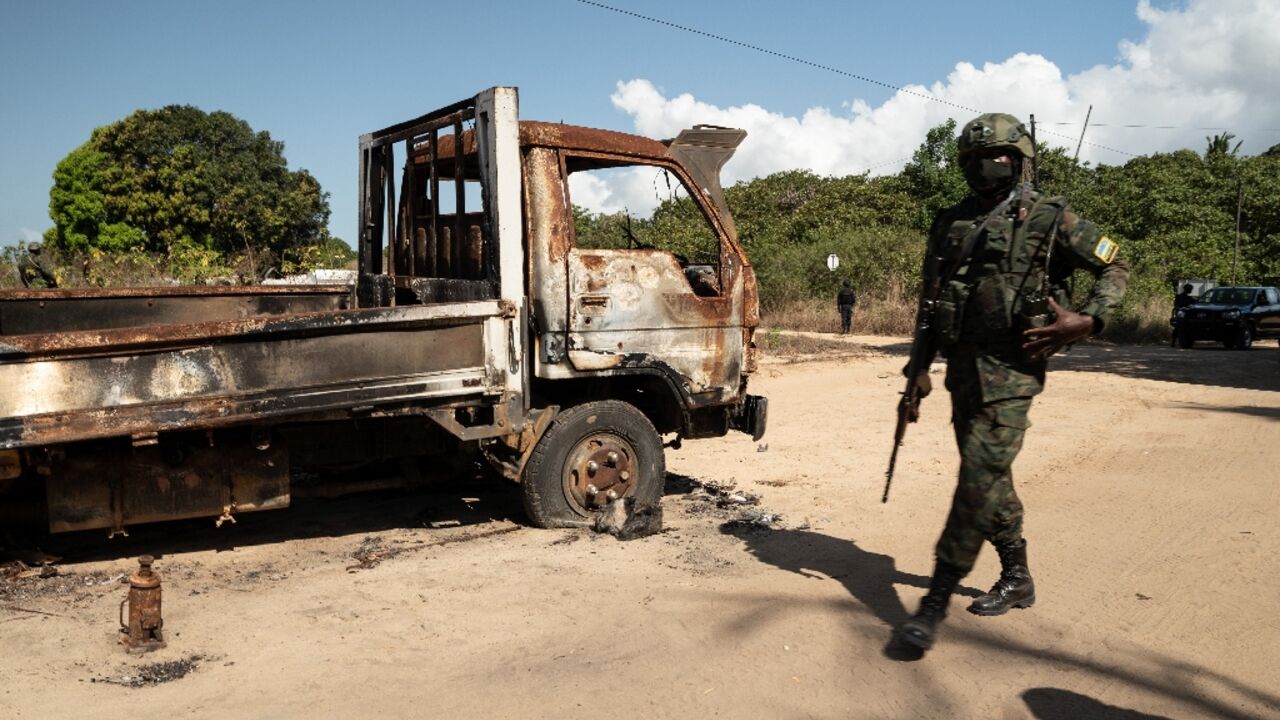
x=226, y=516
x=142, y=633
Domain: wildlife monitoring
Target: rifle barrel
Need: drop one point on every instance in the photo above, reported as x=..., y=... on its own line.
x=888, y=478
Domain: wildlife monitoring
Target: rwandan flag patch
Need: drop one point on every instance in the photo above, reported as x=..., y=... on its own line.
x=1106, y=250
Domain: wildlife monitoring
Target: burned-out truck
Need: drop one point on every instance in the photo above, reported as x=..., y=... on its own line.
x=484, y=326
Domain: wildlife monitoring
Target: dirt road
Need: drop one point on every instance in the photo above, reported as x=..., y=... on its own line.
x=1151, y=485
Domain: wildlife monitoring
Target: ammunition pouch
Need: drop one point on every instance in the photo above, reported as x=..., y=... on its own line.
x=1033, y=312
x=990, y=310
x=948, y=316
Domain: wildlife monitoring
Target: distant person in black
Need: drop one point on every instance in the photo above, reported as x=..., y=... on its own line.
x=845, y=300
x=1184, y=298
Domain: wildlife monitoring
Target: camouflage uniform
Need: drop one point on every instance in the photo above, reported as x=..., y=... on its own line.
x=995, y=257
x=990, y=379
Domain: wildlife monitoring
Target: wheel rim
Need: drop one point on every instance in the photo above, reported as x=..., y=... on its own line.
x=600, y=468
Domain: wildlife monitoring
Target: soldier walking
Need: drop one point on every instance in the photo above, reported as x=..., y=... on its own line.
x=846, y=298
x=1006, y=253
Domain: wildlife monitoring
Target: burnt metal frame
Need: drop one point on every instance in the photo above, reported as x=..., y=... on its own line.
x=378, y=192
x=705, y=205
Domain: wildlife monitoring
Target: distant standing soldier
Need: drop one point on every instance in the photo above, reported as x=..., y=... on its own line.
x=845, y=300
x=31, y=269
x=998, y=250
x=1184, y=298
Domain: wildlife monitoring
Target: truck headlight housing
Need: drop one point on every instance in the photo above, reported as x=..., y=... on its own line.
x=1230, y=314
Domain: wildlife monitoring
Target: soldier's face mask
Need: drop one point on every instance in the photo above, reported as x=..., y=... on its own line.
x=988, y=175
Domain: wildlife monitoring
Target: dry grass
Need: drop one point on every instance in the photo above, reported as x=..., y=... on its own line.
x=798, y=348
x=1142, y=321
x=1145, y=321
x=892, y=313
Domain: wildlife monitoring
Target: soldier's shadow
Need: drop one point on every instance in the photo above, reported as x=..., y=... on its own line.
x=868, y=576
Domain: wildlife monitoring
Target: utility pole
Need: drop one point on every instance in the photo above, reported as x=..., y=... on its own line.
x=1075, y=159
x=1239, y=205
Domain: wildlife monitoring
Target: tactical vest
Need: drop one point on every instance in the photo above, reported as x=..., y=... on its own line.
x=986, y=299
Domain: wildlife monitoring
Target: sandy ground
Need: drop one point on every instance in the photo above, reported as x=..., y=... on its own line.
x=1151, y=485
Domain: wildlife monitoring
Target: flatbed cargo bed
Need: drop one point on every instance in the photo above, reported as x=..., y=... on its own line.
x=94, y=383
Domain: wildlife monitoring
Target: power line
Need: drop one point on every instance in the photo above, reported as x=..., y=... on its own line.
x=863, y=78
x=775, y=53
x=1092, y=144
x=1165, y=127
x=869, y=168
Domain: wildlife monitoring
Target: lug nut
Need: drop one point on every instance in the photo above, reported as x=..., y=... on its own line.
x=624, y=475
x=592, y=467
x=613, y=458
x=613, y=495
x=593, y=490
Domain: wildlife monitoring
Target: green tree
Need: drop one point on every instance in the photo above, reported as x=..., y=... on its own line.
x=179, y=179
x=934, y=176
x=1220, y=144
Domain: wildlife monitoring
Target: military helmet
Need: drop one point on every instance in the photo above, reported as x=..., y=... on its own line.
x=995, y=131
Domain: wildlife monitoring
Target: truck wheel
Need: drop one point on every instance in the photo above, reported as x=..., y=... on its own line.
x=1245, y=340
x=591, y=454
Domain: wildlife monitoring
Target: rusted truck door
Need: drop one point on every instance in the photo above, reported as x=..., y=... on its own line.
x=647, y=298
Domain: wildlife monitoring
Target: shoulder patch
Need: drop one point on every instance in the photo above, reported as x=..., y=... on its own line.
x=1106, y=250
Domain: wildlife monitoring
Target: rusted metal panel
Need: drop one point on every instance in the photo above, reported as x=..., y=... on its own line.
x=171, y=291
x=556, y=135
x=10, y=464
x=548, y=239
x=111, y=486
x=74, y=386
x=702, y=151
x=28, y=347
x=343, y=401
x=630, y=307
x=49, y=311
x=64, y=399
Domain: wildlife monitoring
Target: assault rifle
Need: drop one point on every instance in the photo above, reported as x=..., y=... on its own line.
x=922, y=352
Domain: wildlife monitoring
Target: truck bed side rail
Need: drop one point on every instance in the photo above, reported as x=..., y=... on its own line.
x=81, y=385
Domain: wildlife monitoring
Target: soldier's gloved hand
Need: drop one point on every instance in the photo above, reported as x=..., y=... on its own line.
x=1066, y=329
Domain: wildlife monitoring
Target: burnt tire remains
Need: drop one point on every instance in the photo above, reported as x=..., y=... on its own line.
x=592, y=454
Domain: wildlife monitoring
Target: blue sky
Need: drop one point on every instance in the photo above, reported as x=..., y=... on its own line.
x=317, y=74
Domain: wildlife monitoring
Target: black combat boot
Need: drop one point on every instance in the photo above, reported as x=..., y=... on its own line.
x=1014, y=589
x=923, y=626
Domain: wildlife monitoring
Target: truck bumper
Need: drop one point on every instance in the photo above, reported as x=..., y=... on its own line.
x=752, y=416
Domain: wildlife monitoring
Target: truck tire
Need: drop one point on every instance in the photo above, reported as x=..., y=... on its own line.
x=591, y=454
x=1244, y=340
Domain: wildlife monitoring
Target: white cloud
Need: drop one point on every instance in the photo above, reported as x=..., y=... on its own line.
x=636, y=190
x=1212, y=63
